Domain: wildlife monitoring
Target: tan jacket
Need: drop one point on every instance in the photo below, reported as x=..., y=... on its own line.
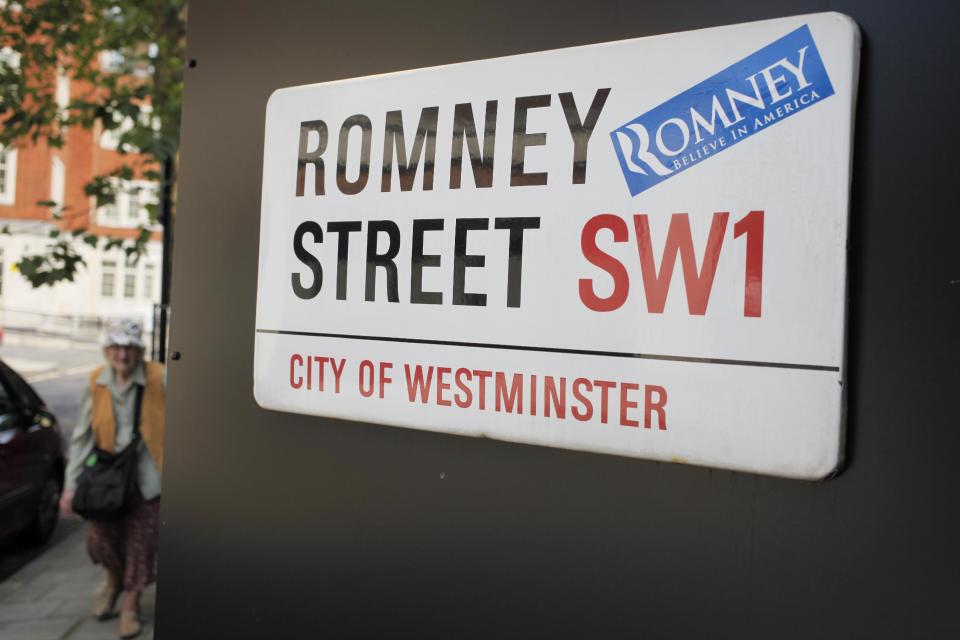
x=152, y=413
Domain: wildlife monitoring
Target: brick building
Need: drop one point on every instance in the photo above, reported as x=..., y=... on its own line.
x=107, y=285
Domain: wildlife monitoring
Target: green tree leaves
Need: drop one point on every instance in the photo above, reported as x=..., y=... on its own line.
x=127, y=55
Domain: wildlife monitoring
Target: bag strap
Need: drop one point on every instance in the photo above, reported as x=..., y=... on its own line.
x=137, y=403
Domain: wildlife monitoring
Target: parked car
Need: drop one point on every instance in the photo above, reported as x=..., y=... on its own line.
x=32, y=461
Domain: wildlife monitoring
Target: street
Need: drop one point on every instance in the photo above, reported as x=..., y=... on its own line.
x=56, y=367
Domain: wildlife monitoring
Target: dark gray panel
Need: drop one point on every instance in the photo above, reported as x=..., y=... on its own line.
x=280, y=525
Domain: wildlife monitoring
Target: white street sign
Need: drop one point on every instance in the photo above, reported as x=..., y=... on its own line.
x=635, y=247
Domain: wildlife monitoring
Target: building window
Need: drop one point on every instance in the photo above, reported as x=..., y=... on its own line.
x=130, y=281
x=148, y=279
x=8, y=175
x=58, y=181
x=110, y=138
x=139, y=207
x=110, y=214
x=136, y=201
x=130, y=209
x=108, y=278
x=112, y=61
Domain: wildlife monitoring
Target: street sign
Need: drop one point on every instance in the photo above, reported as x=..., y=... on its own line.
x=635, y=247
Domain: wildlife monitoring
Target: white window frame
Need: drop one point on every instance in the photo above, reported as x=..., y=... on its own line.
x=58, y=181
x=130, y=205
x=149, y=279
x=132, y=213
x=129, y=278
x=112, y=270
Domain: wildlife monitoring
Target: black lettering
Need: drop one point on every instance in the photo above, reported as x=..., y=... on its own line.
x=385, y=260
x=462, y=260
x=515, y=264
x=522, y=140
x=346, y=187
x=305, y=157
x=343, y=231
x=418, y=261
x=581, y=132
x=464, y=127
x=393, y=144
x=307, y=258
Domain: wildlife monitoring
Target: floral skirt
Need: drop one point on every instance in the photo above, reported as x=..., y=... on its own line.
x=128, y=547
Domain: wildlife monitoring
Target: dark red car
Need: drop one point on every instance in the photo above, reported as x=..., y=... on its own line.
x=32, y=461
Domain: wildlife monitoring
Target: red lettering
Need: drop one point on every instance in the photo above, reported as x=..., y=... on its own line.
x=442, y=386
x=752, y=225
x=679, y=241
x=516, y=392
x=596, y=257
x=337, y=371
x=384, y=380
x=321, y=361
x=295, y=382
x=559, y=403
x=482, y=376
x=605, y=385
x=416, y=383
x=626, y=403
x=458, y=378
x=533, y=395
x=366, y=378
x=587, y=412
x=651, y=406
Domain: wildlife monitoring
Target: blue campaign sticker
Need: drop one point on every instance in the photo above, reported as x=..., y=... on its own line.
x=768, y=86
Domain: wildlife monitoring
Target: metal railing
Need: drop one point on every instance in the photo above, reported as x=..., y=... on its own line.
x=77, y=327
x=84, y=328
x=161, y=332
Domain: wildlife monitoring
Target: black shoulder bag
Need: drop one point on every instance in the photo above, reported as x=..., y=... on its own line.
x=107, y=486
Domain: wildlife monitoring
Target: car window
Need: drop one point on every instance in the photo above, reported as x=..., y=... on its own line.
x=6, y=397
x=19, y=388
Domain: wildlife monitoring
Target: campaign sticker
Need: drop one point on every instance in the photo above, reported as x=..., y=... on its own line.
x=766, y=87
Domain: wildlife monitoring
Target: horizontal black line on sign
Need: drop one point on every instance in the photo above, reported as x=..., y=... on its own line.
x=578, y=352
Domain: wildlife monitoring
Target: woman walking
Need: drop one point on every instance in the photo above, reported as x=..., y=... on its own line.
x=127, y=546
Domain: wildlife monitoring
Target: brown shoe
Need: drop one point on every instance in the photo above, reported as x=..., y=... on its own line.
x=105, y=602
x=130, y=626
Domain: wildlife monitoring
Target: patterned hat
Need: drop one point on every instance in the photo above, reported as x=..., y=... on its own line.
x=123, y=332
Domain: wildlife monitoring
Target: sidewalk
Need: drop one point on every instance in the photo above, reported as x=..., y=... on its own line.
x=50, y=598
